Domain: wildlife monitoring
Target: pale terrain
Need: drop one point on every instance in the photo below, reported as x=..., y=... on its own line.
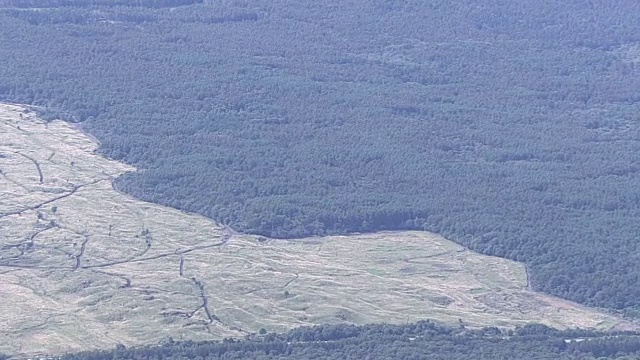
x=83, y=266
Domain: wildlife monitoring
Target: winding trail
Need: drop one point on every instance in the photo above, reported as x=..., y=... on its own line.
x=24, y=246
x=36, y=163
x=73, y=190
x=205, y=302
x=127, y=281
x=81, y=253
x=135, y=258
x=526, y=271
x=202, y=294
x=296, y=276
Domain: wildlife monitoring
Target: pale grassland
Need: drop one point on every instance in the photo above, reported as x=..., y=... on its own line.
x=83, y=266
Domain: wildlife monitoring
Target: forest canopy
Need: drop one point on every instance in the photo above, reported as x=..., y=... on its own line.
x=422, y=340
x=510, y=127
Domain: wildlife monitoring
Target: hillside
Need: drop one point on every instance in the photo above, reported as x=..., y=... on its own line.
x=83, y=266
x=510, y=127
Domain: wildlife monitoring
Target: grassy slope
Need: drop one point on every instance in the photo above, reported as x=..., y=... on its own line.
x=85, y=266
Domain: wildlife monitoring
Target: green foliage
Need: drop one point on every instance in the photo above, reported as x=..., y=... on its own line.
x=422, y=340
x=510, y=127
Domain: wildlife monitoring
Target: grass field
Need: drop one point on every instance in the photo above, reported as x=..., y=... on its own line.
x=84, y=266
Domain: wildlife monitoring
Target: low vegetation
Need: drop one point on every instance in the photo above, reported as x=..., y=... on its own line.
x=509, y=127
x=422, y=340
x=84, y=266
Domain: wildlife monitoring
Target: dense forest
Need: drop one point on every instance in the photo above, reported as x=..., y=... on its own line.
x=422, y=340
x=509, y=126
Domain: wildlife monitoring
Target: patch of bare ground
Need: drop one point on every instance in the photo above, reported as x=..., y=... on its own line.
x=83, y=266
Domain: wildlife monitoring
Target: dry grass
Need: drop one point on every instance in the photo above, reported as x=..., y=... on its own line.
x=83, y=266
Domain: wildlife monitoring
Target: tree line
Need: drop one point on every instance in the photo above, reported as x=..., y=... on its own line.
x=509, y=127
x=421, y=340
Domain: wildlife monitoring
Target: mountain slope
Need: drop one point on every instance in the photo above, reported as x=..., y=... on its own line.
x=84, y=266
x=510, y=127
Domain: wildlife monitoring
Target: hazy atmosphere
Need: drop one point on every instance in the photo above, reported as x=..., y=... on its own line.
x=241, y=179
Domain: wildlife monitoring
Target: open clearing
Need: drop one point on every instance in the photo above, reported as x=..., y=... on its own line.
x=84, y=266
